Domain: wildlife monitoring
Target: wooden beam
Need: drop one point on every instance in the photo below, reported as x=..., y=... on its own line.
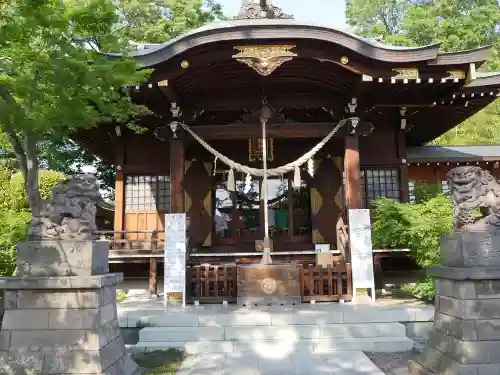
x=244, y=131
x=167, y=91
x=352, y=172
x=177, y=167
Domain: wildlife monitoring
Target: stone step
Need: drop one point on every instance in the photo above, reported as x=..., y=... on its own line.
x=288, y=332
x=285, y=347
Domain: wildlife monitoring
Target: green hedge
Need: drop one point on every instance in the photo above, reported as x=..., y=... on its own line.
x=418, y=227
x=15, y=214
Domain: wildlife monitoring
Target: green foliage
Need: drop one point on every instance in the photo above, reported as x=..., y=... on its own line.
x=15, y=213
x=160, y=362
x=425, y=191
x=457, y=24
x=14, y=229
x=482, y=128
x=53, y=78
x=416, y=226
x=46, y=180
x=158, y=21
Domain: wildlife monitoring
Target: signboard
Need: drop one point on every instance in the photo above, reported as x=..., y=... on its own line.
x=322, y=248
x=360, y=241
x=175, y=256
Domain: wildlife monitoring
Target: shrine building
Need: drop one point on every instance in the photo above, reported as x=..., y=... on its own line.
x=377, y=105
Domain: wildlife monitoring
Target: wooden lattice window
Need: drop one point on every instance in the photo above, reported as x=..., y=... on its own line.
x=147, y=193
x=376, y=183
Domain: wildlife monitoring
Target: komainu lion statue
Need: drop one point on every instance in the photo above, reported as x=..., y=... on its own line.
x=476, y=197
x=70, y=213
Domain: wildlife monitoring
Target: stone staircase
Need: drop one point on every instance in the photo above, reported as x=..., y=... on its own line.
x=313, y=329
x=387, y=337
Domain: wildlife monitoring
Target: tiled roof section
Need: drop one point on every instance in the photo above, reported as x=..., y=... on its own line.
x=453, y=153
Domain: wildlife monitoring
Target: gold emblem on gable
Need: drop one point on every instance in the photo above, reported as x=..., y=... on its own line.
x=264, y=59
x=406, y=73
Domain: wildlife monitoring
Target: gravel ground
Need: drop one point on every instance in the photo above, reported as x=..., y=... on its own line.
x=392, y=363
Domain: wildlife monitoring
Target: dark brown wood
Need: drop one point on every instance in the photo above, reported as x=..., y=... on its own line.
x=326, y=200
x=245, y=131
x=177, y=161
x=198, y=185
x=268, y=284
x=403, y=168
x=314, y=279
x=290, y=207
x=153, y=267
x=207, y=284
x=352, y=172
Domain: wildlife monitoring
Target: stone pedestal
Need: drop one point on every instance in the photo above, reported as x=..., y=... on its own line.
x=272, y=284
x=465, y=339
x=62, y=324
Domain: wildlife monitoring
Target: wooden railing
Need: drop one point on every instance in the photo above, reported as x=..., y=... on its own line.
x=211, y=284
x=332, y=283
x=120, y=240
x=215, y=284
x=151, y=243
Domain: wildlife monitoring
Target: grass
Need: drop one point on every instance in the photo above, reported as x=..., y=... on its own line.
x=160, y=362
x=121, y=296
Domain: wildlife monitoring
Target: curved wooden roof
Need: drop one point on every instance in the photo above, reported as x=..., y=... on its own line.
x=285, y=29
x=199, y=72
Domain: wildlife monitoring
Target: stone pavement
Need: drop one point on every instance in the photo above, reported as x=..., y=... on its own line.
x=300, y=363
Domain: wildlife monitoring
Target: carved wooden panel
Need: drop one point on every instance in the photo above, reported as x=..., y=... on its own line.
x=327, y=200
x=198, y=183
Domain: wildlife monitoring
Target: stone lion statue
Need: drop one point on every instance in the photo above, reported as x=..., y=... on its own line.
x=70, y=213
x=476, y=196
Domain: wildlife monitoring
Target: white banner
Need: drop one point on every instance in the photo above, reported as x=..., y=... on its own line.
x=360, y=244
x=175, y=256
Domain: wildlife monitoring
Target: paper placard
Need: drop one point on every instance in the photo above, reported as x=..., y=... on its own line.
x=175, y=256
x=322, y=248
x=360, y=241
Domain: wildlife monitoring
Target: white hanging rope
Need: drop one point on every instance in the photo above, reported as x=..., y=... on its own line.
x=270, y=172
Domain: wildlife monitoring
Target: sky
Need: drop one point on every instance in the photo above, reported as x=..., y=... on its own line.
x=323, y=12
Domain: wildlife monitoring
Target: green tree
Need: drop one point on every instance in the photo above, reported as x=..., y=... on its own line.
x=457, y=24
x=157, y=21
x=54, y=80
x=378, y=18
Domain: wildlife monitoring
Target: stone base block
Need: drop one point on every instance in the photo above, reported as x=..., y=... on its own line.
x=471, y=249
x=62, y=258
x=51, y=326
x=433, y=362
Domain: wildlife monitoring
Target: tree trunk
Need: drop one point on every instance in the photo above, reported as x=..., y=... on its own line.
x=26, y=153
x=24, y=144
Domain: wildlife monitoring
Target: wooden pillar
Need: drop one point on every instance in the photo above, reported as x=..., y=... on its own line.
x=153, y=266
x=404, y=189
x=119, y=202
x=119, y=188
x=352, y=172
x=177, y=167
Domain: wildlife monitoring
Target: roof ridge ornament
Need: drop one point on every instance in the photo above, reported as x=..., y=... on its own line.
x=262, y=9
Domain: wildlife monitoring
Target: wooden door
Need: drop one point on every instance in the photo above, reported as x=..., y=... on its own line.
x=326, y=200
x=198, y=183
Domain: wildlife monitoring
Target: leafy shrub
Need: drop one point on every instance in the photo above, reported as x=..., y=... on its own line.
x=416, y=226
x=47, y=180
x=13, y=230
x=425, y=191
x=15, y=214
